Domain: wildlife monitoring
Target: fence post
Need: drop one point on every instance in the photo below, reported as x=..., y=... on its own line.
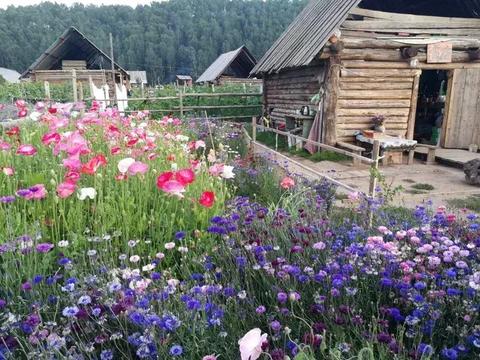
x=74, y=85
x=254, y=135
x=180, y=99
x=373, y=178
x=46, y=86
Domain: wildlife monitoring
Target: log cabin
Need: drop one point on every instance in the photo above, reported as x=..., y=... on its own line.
x=411, y=62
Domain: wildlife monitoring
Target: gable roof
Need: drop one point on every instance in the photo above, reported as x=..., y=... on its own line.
x=238, y=62
x=11, y=76
x=313, y=27
x=138, y=77
x=306, y=35
x=72, y=45
x=184, y=77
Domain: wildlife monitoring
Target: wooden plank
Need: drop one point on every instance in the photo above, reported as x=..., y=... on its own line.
x=373, y=73
x=428, y=31
x=359, y=65
x=407, y=17
x=407, y=26
x=344, y=133
x=359, y=104
x=387, y=80
x=367, y=126
x=368, y=119
x=375, y=94
x=396, y=42
x=413, y=110
x=373, y=112
x=370, y=85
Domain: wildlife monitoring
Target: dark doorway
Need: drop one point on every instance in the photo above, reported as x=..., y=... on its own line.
x=431, y=106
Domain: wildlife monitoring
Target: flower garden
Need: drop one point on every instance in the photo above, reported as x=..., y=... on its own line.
x=126, y=237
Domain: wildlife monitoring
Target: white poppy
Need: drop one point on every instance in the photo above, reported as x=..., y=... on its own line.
x=251, y=344
x=124, y=164
x=87, y=192
x=227, y=172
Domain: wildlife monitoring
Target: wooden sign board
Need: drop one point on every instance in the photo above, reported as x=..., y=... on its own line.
x=439, y=53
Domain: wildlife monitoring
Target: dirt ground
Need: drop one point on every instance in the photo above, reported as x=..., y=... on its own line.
x=443, y=183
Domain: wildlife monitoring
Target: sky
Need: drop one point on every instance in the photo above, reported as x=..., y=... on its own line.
x=5, y=3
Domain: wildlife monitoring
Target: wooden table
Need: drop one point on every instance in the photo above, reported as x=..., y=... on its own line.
x=391, y=147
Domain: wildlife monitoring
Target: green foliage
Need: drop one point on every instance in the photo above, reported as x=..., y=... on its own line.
x=35, y=91
x=2, y=80
x=427, y=187
x=165, y=38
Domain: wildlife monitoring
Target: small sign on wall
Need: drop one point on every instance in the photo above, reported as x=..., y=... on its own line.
x=439, y=53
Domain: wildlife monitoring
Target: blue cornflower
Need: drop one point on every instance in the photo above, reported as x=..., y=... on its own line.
x=241, y=261
x=179, y=235
x=424, y=350
x=193, y=304
x=84, y=300
x=137, y=318
x=70, y=311
x=449, y=354
x=176, y=350
x=106, y=355
x=37, y=279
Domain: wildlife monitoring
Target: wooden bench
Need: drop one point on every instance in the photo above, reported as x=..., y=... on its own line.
x=354, y=149
x=431, y=154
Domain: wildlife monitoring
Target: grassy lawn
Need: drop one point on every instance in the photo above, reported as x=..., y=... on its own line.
x=471, y=203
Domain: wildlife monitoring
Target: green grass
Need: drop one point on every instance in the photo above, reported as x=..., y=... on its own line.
x=471, y=203
x=425, y=187
x=320, y=156
x=268, y=139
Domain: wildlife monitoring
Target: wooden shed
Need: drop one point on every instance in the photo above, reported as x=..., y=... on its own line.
x=231, y=67
x=72, y=50
x=415, y=63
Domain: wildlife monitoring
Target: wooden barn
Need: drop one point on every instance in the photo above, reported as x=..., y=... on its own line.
x=183, y=80
x=72, y=50
x=231, y=67
x=414, y=63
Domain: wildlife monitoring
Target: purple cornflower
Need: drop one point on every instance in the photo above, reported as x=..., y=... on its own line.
x=275, y=325
x=70, y=311
x=282, y=297
x=7, y=199
x=44, y=247
x=260, y=310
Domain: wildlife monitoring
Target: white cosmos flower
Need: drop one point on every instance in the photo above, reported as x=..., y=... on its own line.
x=227, y=172
x=87, y=192
x=124, y=164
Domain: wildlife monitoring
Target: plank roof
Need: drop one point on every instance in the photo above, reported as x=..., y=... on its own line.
x=236, y=63
x=73, y=45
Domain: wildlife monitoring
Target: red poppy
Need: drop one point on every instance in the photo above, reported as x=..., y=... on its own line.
x=207, y=199
x=13, y=131
x=163, y=178
x=52, y=137
x=92, y=166
x=185, y=176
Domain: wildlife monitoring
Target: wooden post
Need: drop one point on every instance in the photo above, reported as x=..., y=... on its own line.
x=113, y=70
x=74, y=85
x=180, y=99
x=142, y=89
x=80, y=96
x=254, y=135
x=276, y=142
x=333, y=85
x=373, y=179
x=46, y=85
x=413, y=115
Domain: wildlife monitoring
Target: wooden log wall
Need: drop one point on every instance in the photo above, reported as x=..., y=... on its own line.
x=289, y=90
x=377, y=78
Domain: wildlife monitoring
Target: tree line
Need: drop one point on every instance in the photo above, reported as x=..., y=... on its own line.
x=164, y=38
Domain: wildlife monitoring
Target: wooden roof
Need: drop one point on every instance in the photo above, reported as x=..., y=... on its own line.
x=236, y=63
x=73, y=45
x=300, y=44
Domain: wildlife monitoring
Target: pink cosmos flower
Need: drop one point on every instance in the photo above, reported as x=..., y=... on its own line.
x=26, y=150
x=207, y=199
x=65, y=189
x=287, y=183
x=251, y=344
x=137, y=168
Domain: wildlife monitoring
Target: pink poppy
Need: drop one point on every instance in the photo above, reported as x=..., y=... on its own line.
x=216, y=169
x=22, y=113
x=4, y=146
x=13, y=131
x=93, y=164
x=20, y=104
x=115, y=150
x=207, y=199
x=65, y=189
x=8, y=171
x=137, y=168
x=163, y=178
x=2, y=106
x=36, y=192
x=287, y=182
x=72, y=163
x=72, y=176
x=49, y=138
x=121, y=177
x=173, y=187
x=26, y=150
x=185, y=176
